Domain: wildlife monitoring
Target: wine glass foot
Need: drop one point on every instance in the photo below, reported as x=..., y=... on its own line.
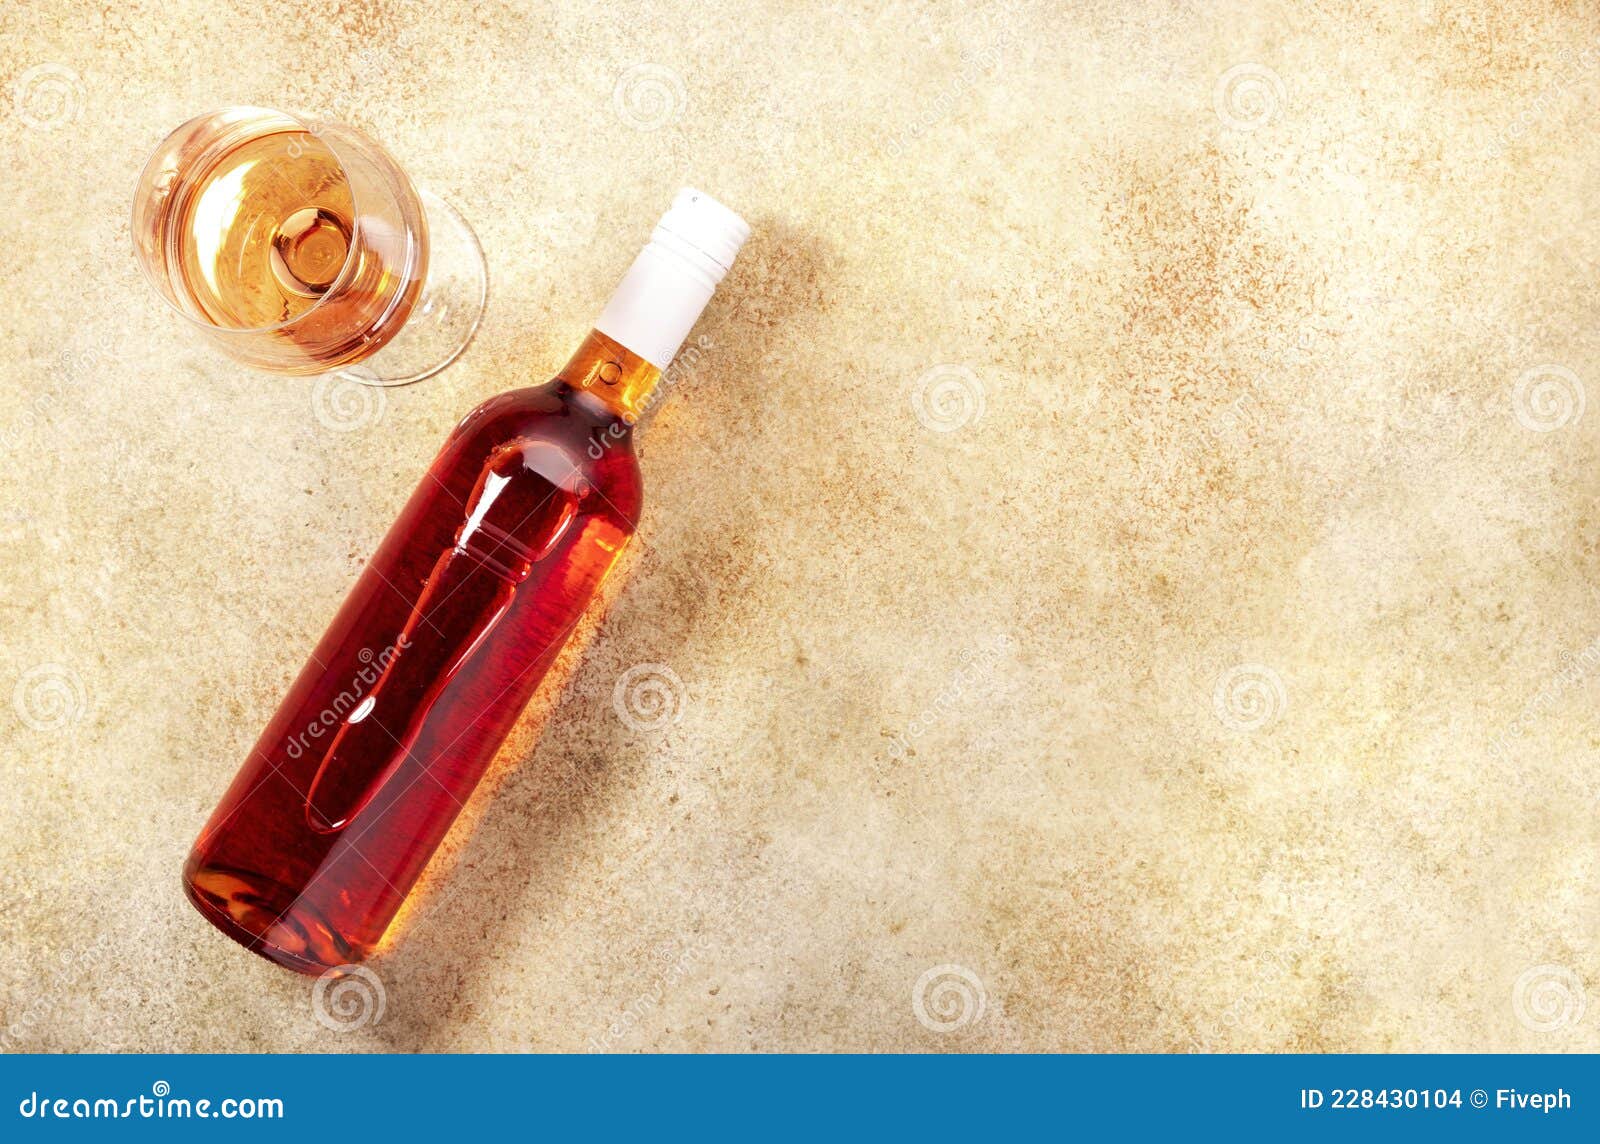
x=447, y=312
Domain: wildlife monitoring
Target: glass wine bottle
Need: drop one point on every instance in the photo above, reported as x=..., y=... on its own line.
x=450, y=629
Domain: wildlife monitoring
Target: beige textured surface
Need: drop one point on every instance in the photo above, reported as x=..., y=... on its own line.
x=1262, y=359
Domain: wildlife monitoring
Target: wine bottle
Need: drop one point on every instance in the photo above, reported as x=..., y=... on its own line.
x=450, y=629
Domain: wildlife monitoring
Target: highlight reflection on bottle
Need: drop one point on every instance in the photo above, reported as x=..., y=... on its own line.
x=450, y=629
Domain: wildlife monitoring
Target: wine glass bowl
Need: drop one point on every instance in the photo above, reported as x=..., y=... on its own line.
x=302, y=248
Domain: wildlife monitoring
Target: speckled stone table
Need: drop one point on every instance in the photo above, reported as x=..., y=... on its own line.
x=1123, y=571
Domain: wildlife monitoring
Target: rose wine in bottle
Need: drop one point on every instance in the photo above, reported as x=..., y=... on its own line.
x=450, y=628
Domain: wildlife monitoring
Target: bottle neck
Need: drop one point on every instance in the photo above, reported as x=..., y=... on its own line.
x=657, y=303
x=614, y=375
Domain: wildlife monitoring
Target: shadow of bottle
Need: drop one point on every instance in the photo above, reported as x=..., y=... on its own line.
x=535, y=821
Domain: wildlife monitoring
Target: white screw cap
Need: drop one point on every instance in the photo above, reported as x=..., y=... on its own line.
x=661, y=297
x=707, y=225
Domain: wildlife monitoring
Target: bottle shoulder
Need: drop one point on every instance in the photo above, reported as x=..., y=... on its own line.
x=564, y=429
x=554, y=406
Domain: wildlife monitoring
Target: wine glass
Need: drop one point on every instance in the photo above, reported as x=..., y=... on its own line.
x=301, y=247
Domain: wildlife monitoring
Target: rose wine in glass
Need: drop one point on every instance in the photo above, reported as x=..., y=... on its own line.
x=304, y=248
x=450, y=629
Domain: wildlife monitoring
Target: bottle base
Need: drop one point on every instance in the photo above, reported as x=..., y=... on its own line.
x=267, y=919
